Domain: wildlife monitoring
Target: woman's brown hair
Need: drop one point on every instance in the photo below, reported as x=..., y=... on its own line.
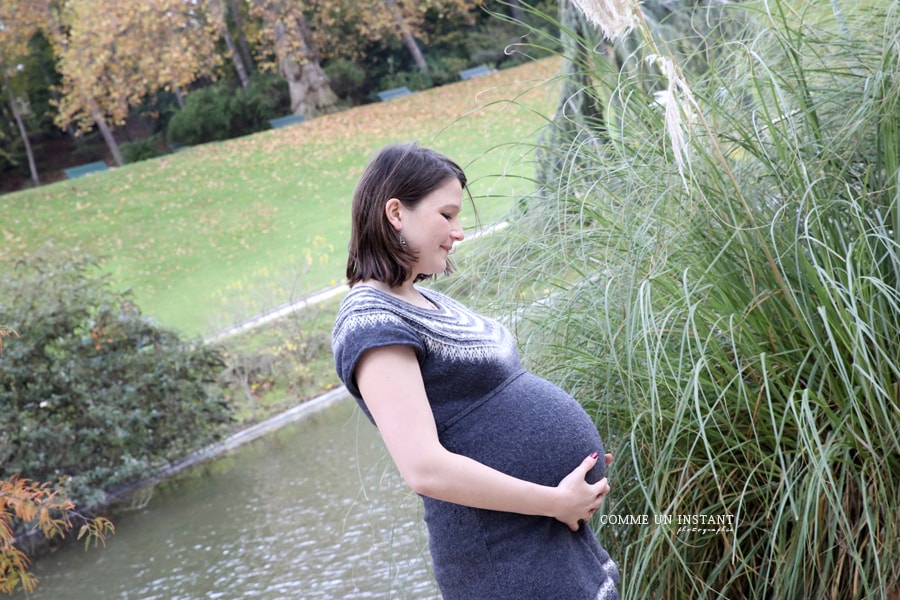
x=407, y=172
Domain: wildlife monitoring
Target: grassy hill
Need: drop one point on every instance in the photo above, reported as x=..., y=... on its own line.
x=217, y=233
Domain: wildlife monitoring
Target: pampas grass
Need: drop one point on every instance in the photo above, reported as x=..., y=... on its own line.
x=733, y=325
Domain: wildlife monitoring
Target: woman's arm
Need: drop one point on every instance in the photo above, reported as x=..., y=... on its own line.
x=391, y=384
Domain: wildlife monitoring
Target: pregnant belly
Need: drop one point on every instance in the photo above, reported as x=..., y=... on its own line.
x=528, y=428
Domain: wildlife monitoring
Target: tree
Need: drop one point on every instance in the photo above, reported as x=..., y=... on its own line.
x=406, y=34
x=297, y=56
x=404, y=19
x=219, y=14
x=79, y=93
x=20, y=123
x=238, y=19
x=112, y=54
x=17, y=25
x=515, y=10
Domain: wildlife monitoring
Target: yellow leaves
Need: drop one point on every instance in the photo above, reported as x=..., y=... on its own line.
x=112, y=55
x=96, y=531
x=41, y=506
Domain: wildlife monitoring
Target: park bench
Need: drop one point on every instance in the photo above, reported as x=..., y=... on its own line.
x=86, y=169
x=394, y=93
x=285, y=121
x=475, y=72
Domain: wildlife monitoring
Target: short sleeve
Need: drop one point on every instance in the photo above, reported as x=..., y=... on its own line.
x=356, y=331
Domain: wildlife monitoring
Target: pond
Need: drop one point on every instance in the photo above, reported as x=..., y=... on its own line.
x=314, y=510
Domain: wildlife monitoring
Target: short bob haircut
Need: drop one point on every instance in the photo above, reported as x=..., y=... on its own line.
x=407, y=172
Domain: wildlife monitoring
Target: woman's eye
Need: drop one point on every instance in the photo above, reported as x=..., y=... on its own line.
x=447, y=216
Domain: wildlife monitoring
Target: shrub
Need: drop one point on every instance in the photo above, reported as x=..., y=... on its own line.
x=445, y=69
x=251, y=108
x=90, y=390
x=204, y=118
x=141, y=149
x=415, y=80
x=347, y=78
x=226, y=110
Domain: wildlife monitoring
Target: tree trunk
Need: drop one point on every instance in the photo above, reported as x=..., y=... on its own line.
x=55, y=95
x=238, y=62
x=515, y=10
x=242, y=35
x=22, y=131
x=578, y=116
x=229, y=41
x=179, y=94
x=308, y=85
x=106, y=132
x=407, y=36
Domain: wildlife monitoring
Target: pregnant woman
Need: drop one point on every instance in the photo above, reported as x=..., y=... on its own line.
x=508, y=465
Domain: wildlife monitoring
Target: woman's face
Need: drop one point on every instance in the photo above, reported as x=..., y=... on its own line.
x=432, y=227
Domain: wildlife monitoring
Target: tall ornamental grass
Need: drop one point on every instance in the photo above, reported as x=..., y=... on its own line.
x=713, y=271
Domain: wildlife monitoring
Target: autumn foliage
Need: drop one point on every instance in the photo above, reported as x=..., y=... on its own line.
x=41, y=507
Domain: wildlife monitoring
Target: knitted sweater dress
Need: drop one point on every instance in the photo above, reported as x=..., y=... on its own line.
x=487, y=407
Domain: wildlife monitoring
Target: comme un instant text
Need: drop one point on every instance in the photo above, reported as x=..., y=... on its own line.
x=699, y=519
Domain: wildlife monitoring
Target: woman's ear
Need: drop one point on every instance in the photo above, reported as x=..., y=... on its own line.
x=393, y=212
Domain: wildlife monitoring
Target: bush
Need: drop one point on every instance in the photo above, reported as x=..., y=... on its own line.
x=446, y=69
x=415, y=80
x=141, y=150
x=347, y=78
x=226, y=110
x=90, y=390
x=204, y=118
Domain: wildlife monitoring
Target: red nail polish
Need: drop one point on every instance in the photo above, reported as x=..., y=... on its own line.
x=594, y=454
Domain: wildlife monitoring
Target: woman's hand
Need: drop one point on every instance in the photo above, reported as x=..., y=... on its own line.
x=580, y=499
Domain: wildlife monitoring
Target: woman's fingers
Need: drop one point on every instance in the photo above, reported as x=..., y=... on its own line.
x=602, y=488
x=575, y=481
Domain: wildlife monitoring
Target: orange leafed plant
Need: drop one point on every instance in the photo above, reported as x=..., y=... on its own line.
x=40, y=506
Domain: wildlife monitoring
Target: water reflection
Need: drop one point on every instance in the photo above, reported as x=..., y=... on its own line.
x=313, y=511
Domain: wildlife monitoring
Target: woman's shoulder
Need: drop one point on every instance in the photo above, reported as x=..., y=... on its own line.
x=365, y=311
x=362, y=297
x=368, y=320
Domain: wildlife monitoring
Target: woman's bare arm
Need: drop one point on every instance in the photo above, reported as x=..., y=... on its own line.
x=391, y=384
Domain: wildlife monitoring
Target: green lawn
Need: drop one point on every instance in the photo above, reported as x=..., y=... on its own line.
x=217, y=233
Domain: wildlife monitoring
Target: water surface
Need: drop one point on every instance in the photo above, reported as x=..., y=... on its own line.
x=315, y=510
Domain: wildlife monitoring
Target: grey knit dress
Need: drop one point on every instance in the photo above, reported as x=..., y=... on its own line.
x=487, y=407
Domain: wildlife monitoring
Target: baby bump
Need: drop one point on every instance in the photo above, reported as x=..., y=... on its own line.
x=528, y=428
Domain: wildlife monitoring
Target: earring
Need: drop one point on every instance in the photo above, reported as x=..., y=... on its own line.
x=402, y=241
